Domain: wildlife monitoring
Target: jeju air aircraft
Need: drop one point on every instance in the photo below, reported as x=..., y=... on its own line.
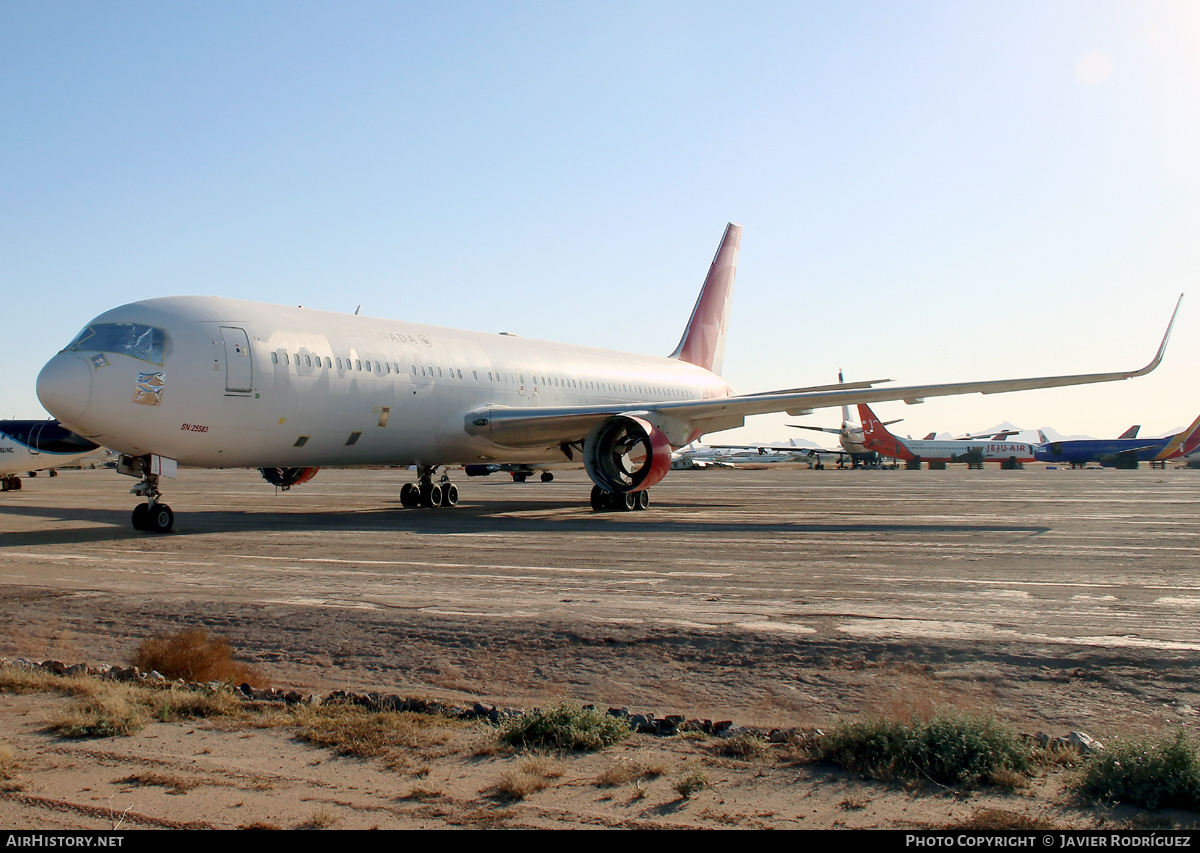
x=225, y=383
x=954, y=450
x=35, y=446
x=1124, y=452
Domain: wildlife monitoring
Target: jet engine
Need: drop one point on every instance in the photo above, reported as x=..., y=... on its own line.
x=626, y=454
x=285, y=478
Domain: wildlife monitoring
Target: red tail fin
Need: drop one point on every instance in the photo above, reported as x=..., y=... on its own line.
x=703, y=341
x=877, y=438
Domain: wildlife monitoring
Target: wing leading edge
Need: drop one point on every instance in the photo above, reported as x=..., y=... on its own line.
x=543, y=427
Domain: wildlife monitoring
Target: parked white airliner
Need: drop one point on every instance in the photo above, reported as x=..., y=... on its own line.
x=213, y=382
x=36, y=445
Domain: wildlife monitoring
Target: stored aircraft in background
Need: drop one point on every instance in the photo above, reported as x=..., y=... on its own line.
x=1124, y=452
x=940, y=451
x=35, y=445
x=850, y=435
x=226, y=383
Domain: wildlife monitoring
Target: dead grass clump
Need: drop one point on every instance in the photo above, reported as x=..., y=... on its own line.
x=8, y=768
x=1001, y=819
x=320, y=819
x=853, y=803
x=746, y=745
x=533, y=773
x=193, y=656
x=356, y=731
x=15, y=679
x=624, y=771
x=173, y=783
x=423, y=794
x=692, y=782
x=107, y=710
x=111, y=708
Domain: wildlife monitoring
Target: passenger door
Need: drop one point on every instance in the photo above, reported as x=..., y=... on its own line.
x=239, y=368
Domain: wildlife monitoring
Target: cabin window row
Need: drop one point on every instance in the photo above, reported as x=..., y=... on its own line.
x=435, y=372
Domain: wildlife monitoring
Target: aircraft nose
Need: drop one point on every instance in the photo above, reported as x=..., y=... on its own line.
x=65, y=386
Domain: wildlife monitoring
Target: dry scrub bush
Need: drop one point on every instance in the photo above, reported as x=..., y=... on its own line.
x=953, y=749
x=564, y=725
x=1153, y=774
x=194, y=657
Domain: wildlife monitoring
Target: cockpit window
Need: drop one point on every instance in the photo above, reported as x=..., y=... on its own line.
x=142, y=342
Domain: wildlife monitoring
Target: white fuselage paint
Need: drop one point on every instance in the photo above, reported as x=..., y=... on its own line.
x=948, y=451
x=286, y=402
x=17, y=458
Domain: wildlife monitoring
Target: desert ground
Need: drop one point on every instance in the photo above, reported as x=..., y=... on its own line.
x=784, y=598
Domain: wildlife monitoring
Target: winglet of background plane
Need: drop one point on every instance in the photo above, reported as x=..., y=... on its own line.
x=703, y=341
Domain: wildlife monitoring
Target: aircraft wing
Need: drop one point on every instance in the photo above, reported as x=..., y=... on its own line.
x=543, y=427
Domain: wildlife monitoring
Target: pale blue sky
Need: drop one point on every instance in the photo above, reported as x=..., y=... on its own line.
x=930, y=191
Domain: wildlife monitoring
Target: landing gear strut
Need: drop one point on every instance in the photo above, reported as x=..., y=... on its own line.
x=425, y=492
x=606, y=501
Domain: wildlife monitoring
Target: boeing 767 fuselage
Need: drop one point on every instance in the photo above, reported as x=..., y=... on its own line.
x=225, y=383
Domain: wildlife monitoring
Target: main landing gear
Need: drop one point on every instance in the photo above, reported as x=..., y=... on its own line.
x=152, y=516
x=606, y=501
x=522, y=476
x=10, y=483
x=425, y=492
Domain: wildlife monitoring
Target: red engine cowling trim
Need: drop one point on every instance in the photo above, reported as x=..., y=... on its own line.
x=626, y=454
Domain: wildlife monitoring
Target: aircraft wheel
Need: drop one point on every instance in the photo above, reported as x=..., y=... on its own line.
x=643, y=500
x=627, y=501
x=519, y=477
x=16, y=483
x=547, y=477
x=161, y=518
x=410, y=495
x=431, y=495
x=4, y=485
x=599, y=499
x=449, y=495
x=141, y=517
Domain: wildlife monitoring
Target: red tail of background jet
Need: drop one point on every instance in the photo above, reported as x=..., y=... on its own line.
x=877, y=438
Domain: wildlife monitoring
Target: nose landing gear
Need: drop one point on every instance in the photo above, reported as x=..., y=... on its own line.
x=152, y=516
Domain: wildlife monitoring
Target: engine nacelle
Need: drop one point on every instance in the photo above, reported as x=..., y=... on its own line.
x=285, y=478
x=626, y=454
